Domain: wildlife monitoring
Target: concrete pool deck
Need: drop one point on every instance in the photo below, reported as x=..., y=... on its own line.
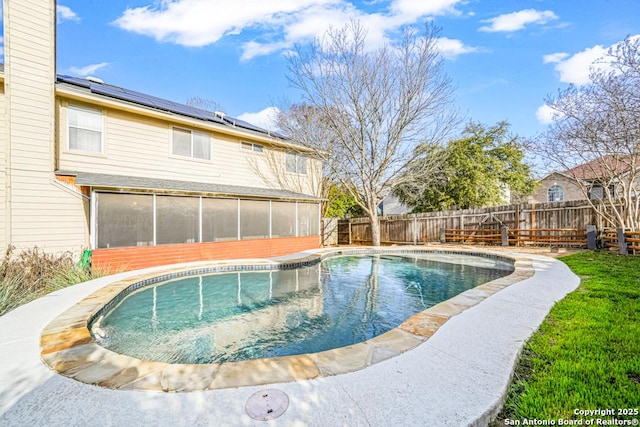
x=456, y=377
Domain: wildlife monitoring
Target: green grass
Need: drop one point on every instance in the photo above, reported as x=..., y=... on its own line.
x=33, y=273
x=586, y=354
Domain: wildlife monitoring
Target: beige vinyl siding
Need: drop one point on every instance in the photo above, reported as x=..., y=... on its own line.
x=3, y=158
x=141, y=146
x=42, y=213
x=270, y=166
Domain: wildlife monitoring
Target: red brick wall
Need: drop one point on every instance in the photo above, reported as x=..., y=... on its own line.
x=133, y=258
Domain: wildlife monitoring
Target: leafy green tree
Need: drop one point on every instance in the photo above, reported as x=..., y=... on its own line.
x=480, y=169
x=340, y=203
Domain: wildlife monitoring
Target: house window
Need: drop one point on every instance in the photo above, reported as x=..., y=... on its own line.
x=296, y=163
x=85, y=129
x=189, y=143
x=250, y=146
x=555, y=194
x=597, y=192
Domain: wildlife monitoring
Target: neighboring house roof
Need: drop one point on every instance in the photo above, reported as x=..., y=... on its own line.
x=139, y=183
x=556, y=174
x=99, y=88
x=603, y=167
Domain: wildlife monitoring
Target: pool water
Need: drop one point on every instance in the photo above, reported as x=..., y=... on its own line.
x=340, y=301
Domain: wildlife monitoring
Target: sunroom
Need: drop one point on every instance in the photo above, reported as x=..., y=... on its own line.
x=129, y=216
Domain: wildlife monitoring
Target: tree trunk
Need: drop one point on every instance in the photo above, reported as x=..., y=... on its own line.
x=375, y=228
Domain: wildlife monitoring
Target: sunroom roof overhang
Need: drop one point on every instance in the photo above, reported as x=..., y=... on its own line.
x=133, y=183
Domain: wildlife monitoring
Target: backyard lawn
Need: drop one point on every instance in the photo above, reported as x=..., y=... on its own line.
x=586, y=354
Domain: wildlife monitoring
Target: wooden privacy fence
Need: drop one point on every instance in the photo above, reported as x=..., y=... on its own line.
x=556, y=224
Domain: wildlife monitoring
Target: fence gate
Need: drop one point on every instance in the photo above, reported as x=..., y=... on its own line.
x=344, y=232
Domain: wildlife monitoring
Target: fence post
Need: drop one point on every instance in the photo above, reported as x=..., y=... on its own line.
x=504, y=231
x=443, y=235
x=591, y=237
x=415, y=230
x=622, y=242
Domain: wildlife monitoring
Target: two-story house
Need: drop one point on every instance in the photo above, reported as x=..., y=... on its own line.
x=140, y=180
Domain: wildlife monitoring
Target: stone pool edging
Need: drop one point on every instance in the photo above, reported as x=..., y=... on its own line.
x=67, y=347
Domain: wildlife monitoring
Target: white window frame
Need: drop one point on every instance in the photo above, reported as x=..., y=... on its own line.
x=298, y=157
x=89, y=110
x=553, y=189
x=191, y=145
x=252, y=146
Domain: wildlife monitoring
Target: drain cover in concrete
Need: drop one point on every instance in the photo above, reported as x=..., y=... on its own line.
x=267, y=405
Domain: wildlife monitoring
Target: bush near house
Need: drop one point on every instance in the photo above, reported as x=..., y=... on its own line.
x=586, y=354
x=33, y=273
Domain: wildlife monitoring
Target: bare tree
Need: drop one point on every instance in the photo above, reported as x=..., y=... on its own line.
x=595, y=135
x=205, y=104
x=364, y=111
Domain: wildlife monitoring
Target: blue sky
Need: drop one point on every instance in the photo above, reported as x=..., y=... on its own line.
x=504, y=56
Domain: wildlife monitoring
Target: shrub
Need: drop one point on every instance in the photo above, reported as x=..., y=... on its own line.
x=33, y=273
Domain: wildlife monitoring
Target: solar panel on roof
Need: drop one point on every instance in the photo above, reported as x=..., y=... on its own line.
x=160, y=103
x=117, y=93
x=74, y=80
x=245, y=125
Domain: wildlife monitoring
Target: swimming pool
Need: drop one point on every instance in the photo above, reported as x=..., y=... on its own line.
x=68, y=347
x=339, y=301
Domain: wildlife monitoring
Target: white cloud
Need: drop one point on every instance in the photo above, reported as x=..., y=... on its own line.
x=265, y=118
x=87, y=70
x=518, y=20
x=451, y=48
x=275, y=25
x=200, y=23
x=554, y=57
x=545, y=114
x=64, y=13
x=575, y=69
x=252, y=49
x=425, y=8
